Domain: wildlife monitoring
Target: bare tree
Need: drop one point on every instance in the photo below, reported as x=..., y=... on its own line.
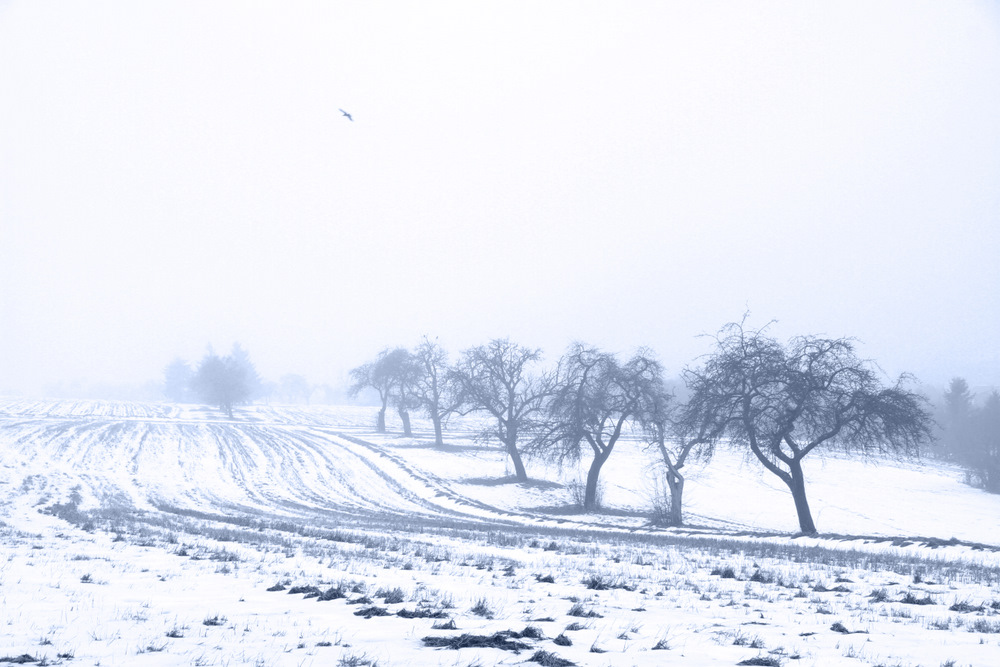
x=783, y=402
x=403, y=371
x=678, y=433
x=436, y=394
x=371, y=375
x=392, y=376
x=226, y=381
x=495, y=378
x=596, y=397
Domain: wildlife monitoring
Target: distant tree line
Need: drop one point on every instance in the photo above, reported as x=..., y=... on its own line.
x=969, y=433
x=233, y=380
x=778, y=402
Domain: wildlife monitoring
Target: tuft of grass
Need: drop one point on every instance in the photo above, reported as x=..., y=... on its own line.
x=391, y=596
x=482, y=608
x=985, y=627
x=963, y=607
x=370, y=612
x=421, y=613
x=356, y=661
x=152, y=648
x=332, y=593
x=547, y=659
x=761, y=661
x=820, y=588
x=740, y=639
x=562, y=640
x=364, y=599
x=596, y=582
x=879, y=595
x=580, y=611
x=505, y=641
x=724, y=572
x=214, y=621
x=910, y=598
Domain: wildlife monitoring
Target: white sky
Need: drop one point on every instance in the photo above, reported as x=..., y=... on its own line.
x=174, y=174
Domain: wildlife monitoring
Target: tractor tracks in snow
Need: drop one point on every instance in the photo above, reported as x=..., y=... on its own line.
x=297, y=469
x=297, y=472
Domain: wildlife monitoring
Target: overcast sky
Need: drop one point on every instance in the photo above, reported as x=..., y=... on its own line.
x=174, y=174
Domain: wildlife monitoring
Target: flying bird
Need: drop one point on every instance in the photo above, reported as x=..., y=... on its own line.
x=347, y=115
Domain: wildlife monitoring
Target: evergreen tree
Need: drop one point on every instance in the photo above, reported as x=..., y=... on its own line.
x=956, y=422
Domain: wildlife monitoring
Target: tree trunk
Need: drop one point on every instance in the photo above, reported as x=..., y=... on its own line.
x=405, y=416
x=675, y=482
x=519, y=472
x=797, y=485
x=380, y=420
x=590, y=503
x=438, y=436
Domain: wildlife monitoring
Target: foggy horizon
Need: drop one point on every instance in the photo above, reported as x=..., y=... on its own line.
x=177, y=175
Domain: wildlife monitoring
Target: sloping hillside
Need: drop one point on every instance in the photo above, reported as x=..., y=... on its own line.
x=311, y=463
x=163, y=535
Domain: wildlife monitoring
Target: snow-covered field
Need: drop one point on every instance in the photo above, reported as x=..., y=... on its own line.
x=149, y=534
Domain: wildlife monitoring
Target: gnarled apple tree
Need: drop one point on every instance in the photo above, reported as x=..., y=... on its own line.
x=782, y=402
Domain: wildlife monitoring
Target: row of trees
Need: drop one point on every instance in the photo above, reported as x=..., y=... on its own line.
x=970, y=433
x=777, y=401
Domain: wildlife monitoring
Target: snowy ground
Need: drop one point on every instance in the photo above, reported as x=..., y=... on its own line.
x=135, y=534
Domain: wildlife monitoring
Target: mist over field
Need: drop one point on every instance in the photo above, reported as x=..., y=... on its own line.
x=320, y=181
x=464, y=333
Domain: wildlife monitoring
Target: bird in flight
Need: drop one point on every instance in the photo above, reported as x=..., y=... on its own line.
x=347, y=115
